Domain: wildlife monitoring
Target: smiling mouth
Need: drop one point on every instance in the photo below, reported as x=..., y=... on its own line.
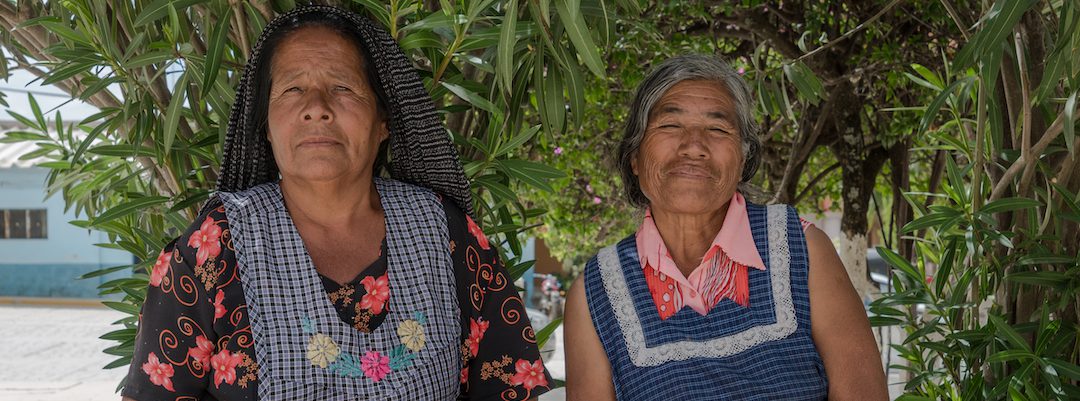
x=689, y=172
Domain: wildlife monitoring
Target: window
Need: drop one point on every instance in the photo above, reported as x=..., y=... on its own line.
x=23, y=223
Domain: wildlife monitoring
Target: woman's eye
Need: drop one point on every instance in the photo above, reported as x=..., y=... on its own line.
x=666, y=126
x=293, y=89
x=342, y=89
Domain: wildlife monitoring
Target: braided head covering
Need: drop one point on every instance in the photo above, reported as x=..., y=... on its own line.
x=420, y=150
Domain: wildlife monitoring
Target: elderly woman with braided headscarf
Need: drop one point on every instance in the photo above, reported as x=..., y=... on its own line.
x=308, y=277
x=714, y=298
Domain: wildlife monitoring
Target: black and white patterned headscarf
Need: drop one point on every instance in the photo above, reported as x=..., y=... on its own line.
x=421, y=152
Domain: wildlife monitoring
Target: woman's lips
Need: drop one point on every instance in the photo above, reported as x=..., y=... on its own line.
x=318, y=142
x=689, y=172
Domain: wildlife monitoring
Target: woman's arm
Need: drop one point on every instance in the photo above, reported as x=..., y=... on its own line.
x=840, y=328
x=588, y=373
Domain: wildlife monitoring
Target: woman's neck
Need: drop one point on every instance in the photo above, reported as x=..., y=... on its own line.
x=688, y=236
x=331, y=205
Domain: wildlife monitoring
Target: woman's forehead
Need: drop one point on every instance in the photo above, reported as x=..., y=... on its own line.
x=312, y=46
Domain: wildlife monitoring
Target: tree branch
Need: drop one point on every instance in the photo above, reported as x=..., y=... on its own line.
x=813, y=182
x=1051, y=133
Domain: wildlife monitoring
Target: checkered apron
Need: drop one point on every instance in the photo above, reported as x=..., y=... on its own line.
x=304, y=350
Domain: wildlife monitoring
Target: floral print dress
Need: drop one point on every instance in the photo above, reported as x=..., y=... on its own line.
x=195, y=342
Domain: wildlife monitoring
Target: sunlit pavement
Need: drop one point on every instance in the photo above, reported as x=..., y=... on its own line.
x=52, y=353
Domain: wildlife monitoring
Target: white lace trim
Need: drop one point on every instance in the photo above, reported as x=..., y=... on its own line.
x=640, y=355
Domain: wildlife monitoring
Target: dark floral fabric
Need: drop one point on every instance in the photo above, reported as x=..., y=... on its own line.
x=195, y=343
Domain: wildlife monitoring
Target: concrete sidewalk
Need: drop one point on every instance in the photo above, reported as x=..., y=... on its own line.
x=53, y=353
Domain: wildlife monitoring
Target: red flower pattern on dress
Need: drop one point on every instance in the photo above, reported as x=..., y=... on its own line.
x=476, y=333
x=474, y=229
x=160, y=373
x=529, y=374
x=202, y=352
x=464, y=375
x=224, y=364
x=378, y=291
x=161, y=268
x=219, y=308
x=206, y=240
x=375, y=365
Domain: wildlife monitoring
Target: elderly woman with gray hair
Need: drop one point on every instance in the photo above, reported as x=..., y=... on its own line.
x=713, y=298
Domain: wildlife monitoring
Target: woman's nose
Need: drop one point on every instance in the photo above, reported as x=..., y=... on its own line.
x=692, y=145
x=318, y=107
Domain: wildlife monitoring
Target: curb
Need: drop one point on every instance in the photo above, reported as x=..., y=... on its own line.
x=41, y=301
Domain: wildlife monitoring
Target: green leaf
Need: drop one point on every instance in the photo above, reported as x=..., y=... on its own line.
x=102, y=272
x=61, y=29
x=121, y=150
x=535, y=174
x=935, y=105
x=894, y=260
x=996, y=26
x=544, y=334
x=421, y=40
x=36, y=109
x=473, y=98
x=1065, y=368
x=1009, y=204
x=509, y=146
x=378, y=9
x=176, y=108
x=215, y=51
x=579, y=34
x=122, y=361
x=1010, y=355
x=1008, y=333
x=123, y=307
x=1044, y=278
x=504, y=59
x=808, y=84
x=160, y=8
x=128, y=208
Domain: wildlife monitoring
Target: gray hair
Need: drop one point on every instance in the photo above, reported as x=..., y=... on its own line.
x=691, y=67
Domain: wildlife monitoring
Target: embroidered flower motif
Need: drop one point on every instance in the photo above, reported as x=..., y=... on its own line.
x=219, y=309
x=529, y=374
x=161, y=268
x=375, y=365
x=411, y=334
x=322, y=350
x=224, y=364
x=206, y=240
x=476, y=333
x=476, y=232
x=160, y=373
x=378, y=291
x=201, y=353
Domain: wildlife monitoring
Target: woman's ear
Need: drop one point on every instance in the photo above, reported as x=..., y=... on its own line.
x=634, y=163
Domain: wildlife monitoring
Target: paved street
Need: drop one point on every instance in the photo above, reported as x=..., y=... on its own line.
x=54, y=354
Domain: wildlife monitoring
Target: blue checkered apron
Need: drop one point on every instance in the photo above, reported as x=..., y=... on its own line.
x=288, y=305
x=760, y=352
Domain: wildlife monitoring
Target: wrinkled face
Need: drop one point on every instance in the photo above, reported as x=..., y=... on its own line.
x=323, y=122
x=691, y=158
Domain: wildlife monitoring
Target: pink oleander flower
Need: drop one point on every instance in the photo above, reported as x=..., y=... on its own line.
x=529, y=374
x=596, y=200
x=741, y=71
x=161, y=268
x=202, y=352
x=558, y=150
x=378, y=291
x=224, y=365
x=161, y=373
x=375, y=365
x=206, y=240
x=588, y=188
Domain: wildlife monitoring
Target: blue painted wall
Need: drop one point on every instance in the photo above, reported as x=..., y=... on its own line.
x=50, y=267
